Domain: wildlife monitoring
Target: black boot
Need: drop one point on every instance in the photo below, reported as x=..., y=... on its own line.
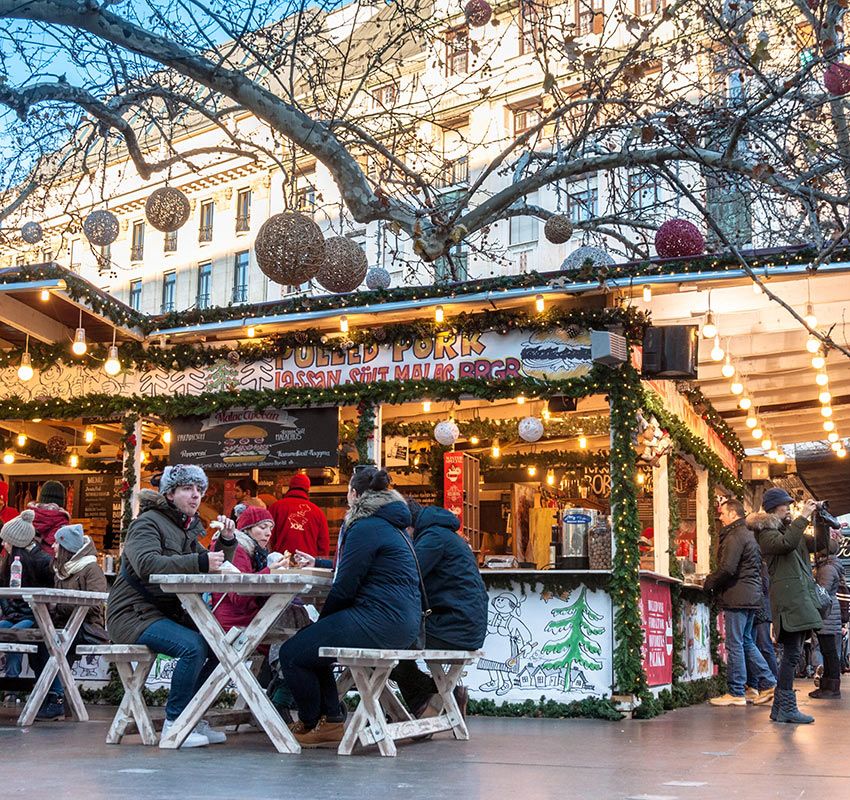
x=52, y=708
x=785, y=709
x=830, y=689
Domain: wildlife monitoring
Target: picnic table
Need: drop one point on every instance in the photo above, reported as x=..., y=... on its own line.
x=235, y=648
x=57, y=641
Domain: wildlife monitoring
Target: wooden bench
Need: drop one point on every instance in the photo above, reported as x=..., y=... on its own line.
x=11, y=647
x=369, y=670
x=134, y=663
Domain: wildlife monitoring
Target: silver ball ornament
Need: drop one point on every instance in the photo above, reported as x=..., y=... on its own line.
x=378, y=278
x=530, y=429
x=578, y=258
x=31, y=232
x=101, y=228
x=446, y=432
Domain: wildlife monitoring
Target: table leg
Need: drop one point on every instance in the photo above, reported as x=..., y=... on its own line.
x=446, y=680
x=133, y=705
x=57, y=644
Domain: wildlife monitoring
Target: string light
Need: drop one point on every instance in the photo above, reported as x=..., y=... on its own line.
x=818, y=360
x=810, y=318
x=74, y=459
x=736, y=387
x=539, y=304
x=439, y=315
x=826, y=411
x=781, y=458
x=836, y=445
x=751, y=422
x=829, y=425
x=22, y=439
x=766, y=442
x=25, y=370
x=251, y=332
x=833, y=437
x=717, y=351
x=582, y=442
x=550, y=477
x=841, y=453
x=709, y=330
x=45, y=295
x=728, y=369
x=773, y=455
x=641, y=478
x=474, y=440
x=745, y=404
x=647, y=293
x=825, y=397
x=79, y=346
x=812, y=344
x=520, y=400
x=166, y=436
x=495, y=450
x=821, y=379
x=343, y=323
x=758, y=433
x=426, y=406
x=8, y=457
x=532, y=471
x=88, y=436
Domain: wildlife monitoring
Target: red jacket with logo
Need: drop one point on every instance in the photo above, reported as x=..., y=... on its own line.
x=299, y=524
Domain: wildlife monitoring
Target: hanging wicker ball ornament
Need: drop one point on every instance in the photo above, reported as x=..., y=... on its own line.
x=578, y=258
x=478, y=13
x=57, y=446
x=679, y=238
x=101, y=227
x=31, y=232
x=836, y=79
x=345, y=265
x=167, y=209
x=446, y=432
x=377, y=278
x=558, y=229
x=290, y=248
x=530, y=429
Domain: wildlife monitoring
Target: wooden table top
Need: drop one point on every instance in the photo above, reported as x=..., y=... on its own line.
x=318, y=580
x=71, y=597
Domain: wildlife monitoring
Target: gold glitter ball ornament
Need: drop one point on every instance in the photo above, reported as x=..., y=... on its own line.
x=558, y=229
x=101, y=228
x=344, y=267
x=290, y=248
x=167, y=209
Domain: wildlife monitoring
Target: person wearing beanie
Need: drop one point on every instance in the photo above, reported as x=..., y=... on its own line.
x=253, y=532
x=18, y=537
x=299, y=524
x=75, y=567
x=163, y=539
x=793, y=599
x=50, y=513
x=6, y=511
x=829, y=573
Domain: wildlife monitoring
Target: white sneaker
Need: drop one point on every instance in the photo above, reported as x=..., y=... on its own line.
x=194, y=739
x=213, y=736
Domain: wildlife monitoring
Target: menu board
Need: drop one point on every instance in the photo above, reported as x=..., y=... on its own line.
x=242, y=438
x=100, y=498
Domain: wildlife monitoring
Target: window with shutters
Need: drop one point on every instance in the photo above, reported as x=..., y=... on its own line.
x=169, y=242
x=533, y=18
x=457, y=52
x=526, y=118
x=589, y=16
x=205, y=228
x=243, y=210
x=203, y=299
x=137, y=246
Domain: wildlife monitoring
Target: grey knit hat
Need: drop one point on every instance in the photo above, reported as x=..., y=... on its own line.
x=182, y=475
x=70, y=537
x=19, y=532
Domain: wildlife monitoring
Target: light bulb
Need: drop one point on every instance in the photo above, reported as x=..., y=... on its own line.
x=439, y=314
x=143, y=457
x=474, y=440
x=826, y=411
x=79, y=347
x=251, y=332
x=727, y=370
x=751, y=422
x=36, y=420
x=757, y=288
x=343, y=323
x=8, y=457
x=829, y=425
x=821, y=379
x=758, y=433
x=520, y=400
x=818, y=361
x=824, y=397
x=545, y=413
x=773, y=454
x=833, y=436
x=112, y=366
x=25, y=371
x=495, y=450
x=841, y=453
x=426, y=406
x=45, y=295
x=89, y=435
x=737, y=387
x=717, y=351
x=582, y=442
x=74, y=460
x=641, y=478
x=532, y=471
x=745, y=404
x=836, y=445
x=709, y=330
x=810, y=318
x=812, y=345
x=22, y=439
x=780, y=457
x=647, y=294
x=766, y=442
x=539, y=304
x=550, y=477
x=166, y=436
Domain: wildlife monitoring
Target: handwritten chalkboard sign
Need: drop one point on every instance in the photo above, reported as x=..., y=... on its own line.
x=240, y=438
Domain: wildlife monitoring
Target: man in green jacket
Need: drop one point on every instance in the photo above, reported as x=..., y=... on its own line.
x=793, y=597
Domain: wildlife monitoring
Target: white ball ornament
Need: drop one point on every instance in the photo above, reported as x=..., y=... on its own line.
x=530, y=429
x=377, y=278
x=446, y=433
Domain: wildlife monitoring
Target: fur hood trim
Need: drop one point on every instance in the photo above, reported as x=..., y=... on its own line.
x=761, y=521
x=369, y=502
x=149, y=499
x=248, y=544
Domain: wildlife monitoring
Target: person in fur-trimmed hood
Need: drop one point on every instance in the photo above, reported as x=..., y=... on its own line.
x=792, y=594
x=374, y=602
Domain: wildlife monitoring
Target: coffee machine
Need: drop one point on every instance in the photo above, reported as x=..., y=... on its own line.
x=570, y=537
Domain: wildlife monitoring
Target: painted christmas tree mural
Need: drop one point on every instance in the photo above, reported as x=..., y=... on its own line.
x=574, y=628
x=223, y=375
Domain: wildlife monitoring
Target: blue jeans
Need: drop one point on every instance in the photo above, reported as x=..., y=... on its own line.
x=194, y=665
x=764, y=642
x=13, y=660
x=310, y=678
x=742, y=655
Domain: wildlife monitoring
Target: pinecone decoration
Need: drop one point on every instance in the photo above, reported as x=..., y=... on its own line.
x=379, y=334
x=233, y=356
x=572, y=330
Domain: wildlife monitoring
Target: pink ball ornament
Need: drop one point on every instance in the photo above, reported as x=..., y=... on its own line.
x=478, y=13
x=678, y=238
x=836, y=79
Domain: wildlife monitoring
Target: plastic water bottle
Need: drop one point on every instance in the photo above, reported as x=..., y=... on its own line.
x=15, y=573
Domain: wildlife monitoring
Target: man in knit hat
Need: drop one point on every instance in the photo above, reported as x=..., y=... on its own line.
x=299, y=523
x=50, y=513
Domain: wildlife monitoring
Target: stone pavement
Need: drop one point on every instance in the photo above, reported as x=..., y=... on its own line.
x=699, y=753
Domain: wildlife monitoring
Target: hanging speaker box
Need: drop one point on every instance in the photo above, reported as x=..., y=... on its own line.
x=670, y=352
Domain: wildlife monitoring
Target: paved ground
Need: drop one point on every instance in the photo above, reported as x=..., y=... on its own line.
x=699, y=753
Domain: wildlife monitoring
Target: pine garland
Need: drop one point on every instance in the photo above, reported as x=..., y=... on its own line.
x=130, y=482
x=365, y=430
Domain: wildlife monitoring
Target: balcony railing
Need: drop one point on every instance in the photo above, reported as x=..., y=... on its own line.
x=205, y=233
x=243, y=223
x=202, y=301
x=240, y=293
x=167, y=307
x=170, y=242
x=453, y=173
x=137, y=252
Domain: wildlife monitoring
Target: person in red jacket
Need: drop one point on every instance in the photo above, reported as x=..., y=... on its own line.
x=299, y=524
x=50, y=514
x=6, y=511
